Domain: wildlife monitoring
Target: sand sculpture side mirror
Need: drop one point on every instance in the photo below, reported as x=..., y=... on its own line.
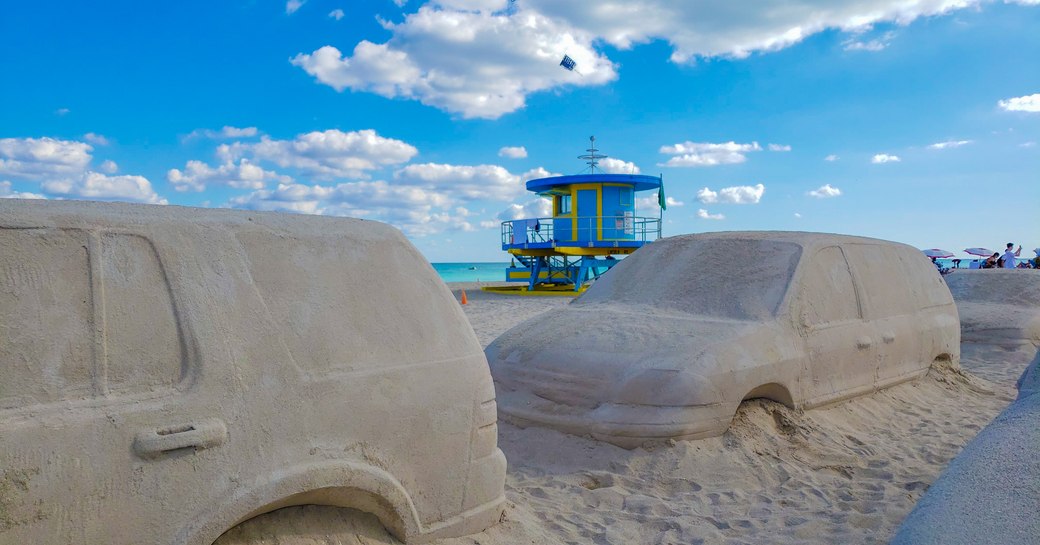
x=167, y=373
x=999, y=306
x=670, y=341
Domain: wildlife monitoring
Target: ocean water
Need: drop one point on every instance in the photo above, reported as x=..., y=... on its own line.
x=471, y=272
x=964, y=264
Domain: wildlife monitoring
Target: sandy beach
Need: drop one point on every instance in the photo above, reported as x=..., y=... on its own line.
x=846, y=473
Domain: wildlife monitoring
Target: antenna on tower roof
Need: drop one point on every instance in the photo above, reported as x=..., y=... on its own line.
x=592, y=158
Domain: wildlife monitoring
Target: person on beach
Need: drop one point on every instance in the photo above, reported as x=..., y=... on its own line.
x=1009, y=256
x=991, y=261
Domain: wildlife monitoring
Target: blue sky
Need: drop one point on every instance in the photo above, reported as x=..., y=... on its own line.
x=916, y=121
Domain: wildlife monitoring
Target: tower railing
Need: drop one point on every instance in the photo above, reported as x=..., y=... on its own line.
x=581, y=231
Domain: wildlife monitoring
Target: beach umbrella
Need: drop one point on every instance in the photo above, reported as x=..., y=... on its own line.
x=984, y=252
x=937, y=253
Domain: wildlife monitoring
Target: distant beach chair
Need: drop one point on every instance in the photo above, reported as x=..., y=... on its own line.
x=974, y=265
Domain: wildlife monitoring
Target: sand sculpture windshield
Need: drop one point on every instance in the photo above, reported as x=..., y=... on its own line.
x=740, y=279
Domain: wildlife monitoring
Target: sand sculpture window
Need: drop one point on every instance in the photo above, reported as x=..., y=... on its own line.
x=46, y=317
x=142, y=342
x=828, y=293
x=883, y=280
x=51, y=349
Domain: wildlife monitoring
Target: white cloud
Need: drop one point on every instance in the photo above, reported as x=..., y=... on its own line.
x=225, y=133
x=513, y=152
x=96, y=139
x=61, y=168
x=292, y=5
x=324, y=155
x=416, y=211
x=478, y=59
x=535, y=208
x=884, y=158
x=109, y=166
x=61, y=112
x=825, y=191
x=1028, y=103
x=706, y=154
x=702, y=28
x=7, y=193
x=98, y=186
x=949, y=144
x=705, y=215
x=744, y=194
x=476, y=63
x=42, y=158
x=876, y=44
x=243, y=175
x=1027, y=144
x=650, y=202
x=421, y=199
x=336, y=14
x=831, y=158
x=779, y=147
x=617, y=166
x=461, y=182
x=797, y=215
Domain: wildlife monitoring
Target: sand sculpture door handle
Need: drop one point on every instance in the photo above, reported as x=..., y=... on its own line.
x=888, y=337
x=864, y=343
x=195, y=435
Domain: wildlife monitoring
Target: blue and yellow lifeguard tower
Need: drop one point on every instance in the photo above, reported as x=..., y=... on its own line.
x=593, y=220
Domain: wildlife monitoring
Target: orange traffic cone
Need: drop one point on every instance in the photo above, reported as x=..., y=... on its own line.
x=464, y=300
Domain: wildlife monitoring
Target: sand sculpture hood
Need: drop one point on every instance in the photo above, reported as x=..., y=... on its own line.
x=169, y=372
x=642, y=355
x=669, y=342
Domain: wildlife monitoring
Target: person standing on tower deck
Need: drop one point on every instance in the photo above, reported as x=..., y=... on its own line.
x=1009, y=256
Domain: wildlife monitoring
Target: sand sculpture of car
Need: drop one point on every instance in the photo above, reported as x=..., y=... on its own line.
x=999, y=306
x=167, y=373
x=670, y=341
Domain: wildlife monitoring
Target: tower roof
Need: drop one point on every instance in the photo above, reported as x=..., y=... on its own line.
x=639, y=182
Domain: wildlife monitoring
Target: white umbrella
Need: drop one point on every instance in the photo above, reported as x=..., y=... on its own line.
x=984, y=252
x=937, y=253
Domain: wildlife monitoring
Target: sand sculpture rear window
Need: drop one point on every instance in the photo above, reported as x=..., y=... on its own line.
x=142, y=343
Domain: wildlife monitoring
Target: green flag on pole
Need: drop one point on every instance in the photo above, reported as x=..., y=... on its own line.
x=661, y=201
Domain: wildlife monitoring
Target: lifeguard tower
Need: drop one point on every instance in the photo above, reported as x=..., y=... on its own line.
x=593, y=220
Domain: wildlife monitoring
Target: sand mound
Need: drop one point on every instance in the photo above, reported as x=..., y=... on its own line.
x=1002, y=286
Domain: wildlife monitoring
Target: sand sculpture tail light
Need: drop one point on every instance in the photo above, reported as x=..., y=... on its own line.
x=167, y=373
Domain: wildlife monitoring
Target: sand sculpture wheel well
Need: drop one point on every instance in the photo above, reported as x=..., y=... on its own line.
x=184, y=370
x=353, y=486
x=772, y=391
